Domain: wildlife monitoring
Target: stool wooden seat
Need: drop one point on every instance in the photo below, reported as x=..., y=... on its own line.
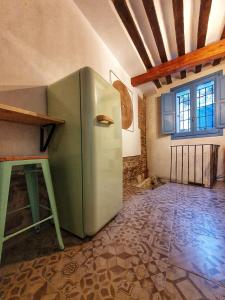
x=13, y=158
x=30, y=165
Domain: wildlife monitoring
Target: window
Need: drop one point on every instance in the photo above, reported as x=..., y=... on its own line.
x=205, y=106
x=183, y=108
x=195, y=109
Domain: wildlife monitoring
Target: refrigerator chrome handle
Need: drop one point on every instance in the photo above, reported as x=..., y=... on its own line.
x=103, y=119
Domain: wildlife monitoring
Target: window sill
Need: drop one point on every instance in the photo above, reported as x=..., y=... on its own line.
x=180, y=136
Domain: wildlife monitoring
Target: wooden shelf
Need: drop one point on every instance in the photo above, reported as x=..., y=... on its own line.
x=19, y=115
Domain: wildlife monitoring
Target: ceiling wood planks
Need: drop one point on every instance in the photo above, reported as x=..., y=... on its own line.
x=153, y=21
x=127, y=19
x=189, y=60
x=202, y=26
x=184, y=62
x=218, y=60
x=179, y=29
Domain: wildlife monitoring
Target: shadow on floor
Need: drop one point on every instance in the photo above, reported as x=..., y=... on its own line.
x=30, y=245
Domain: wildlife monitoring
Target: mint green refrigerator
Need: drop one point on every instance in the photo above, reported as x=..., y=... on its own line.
x=86, y=153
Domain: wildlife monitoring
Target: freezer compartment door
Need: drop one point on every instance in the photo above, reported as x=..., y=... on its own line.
x=102, y=151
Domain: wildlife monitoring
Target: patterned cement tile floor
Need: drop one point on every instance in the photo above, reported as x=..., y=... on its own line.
x=168, y=243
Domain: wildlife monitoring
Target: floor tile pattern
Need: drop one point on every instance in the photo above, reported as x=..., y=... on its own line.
x=166, y=243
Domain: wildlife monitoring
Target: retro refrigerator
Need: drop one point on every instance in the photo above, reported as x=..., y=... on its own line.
x=86, y=152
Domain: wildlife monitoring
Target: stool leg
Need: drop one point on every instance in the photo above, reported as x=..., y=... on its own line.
x=48, y=181
x=33, y=194
x=5, y=174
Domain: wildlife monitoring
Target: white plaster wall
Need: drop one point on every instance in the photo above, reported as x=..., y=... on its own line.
x=158, y=145
x=44, y=40
x=131, y=144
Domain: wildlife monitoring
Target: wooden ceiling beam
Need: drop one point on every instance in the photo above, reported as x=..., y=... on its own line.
x=127, y=19
x=189, y=60
x=203, y=26
x=218, y=60
x=179, y=29
x=153, y=21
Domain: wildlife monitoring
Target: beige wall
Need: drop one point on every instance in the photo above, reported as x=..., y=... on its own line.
x=44, y=40
x=20, y=139
x=158, y=146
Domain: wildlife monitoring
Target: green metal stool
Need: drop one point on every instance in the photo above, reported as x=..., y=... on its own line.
x=29, y=163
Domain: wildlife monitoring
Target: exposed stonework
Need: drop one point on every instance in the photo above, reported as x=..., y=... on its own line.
x=134, y=166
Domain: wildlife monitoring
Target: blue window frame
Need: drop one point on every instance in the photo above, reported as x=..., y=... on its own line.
x=195, y=108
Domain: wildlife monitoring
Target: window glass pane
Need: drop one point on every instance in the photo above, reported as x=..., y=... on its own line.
x=205, y=106
x=183, y=123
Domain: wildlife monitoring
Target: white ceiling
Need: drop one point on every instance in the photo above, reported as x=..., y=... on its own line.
x=103, y=17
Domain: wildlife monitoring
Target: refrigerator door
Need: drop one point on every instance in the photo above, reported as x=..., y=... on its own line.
x=101, y=151
x=65, y=152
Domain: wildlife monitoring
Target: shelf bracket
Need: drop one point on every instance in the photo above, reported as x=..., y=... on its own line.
x=47, y=130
